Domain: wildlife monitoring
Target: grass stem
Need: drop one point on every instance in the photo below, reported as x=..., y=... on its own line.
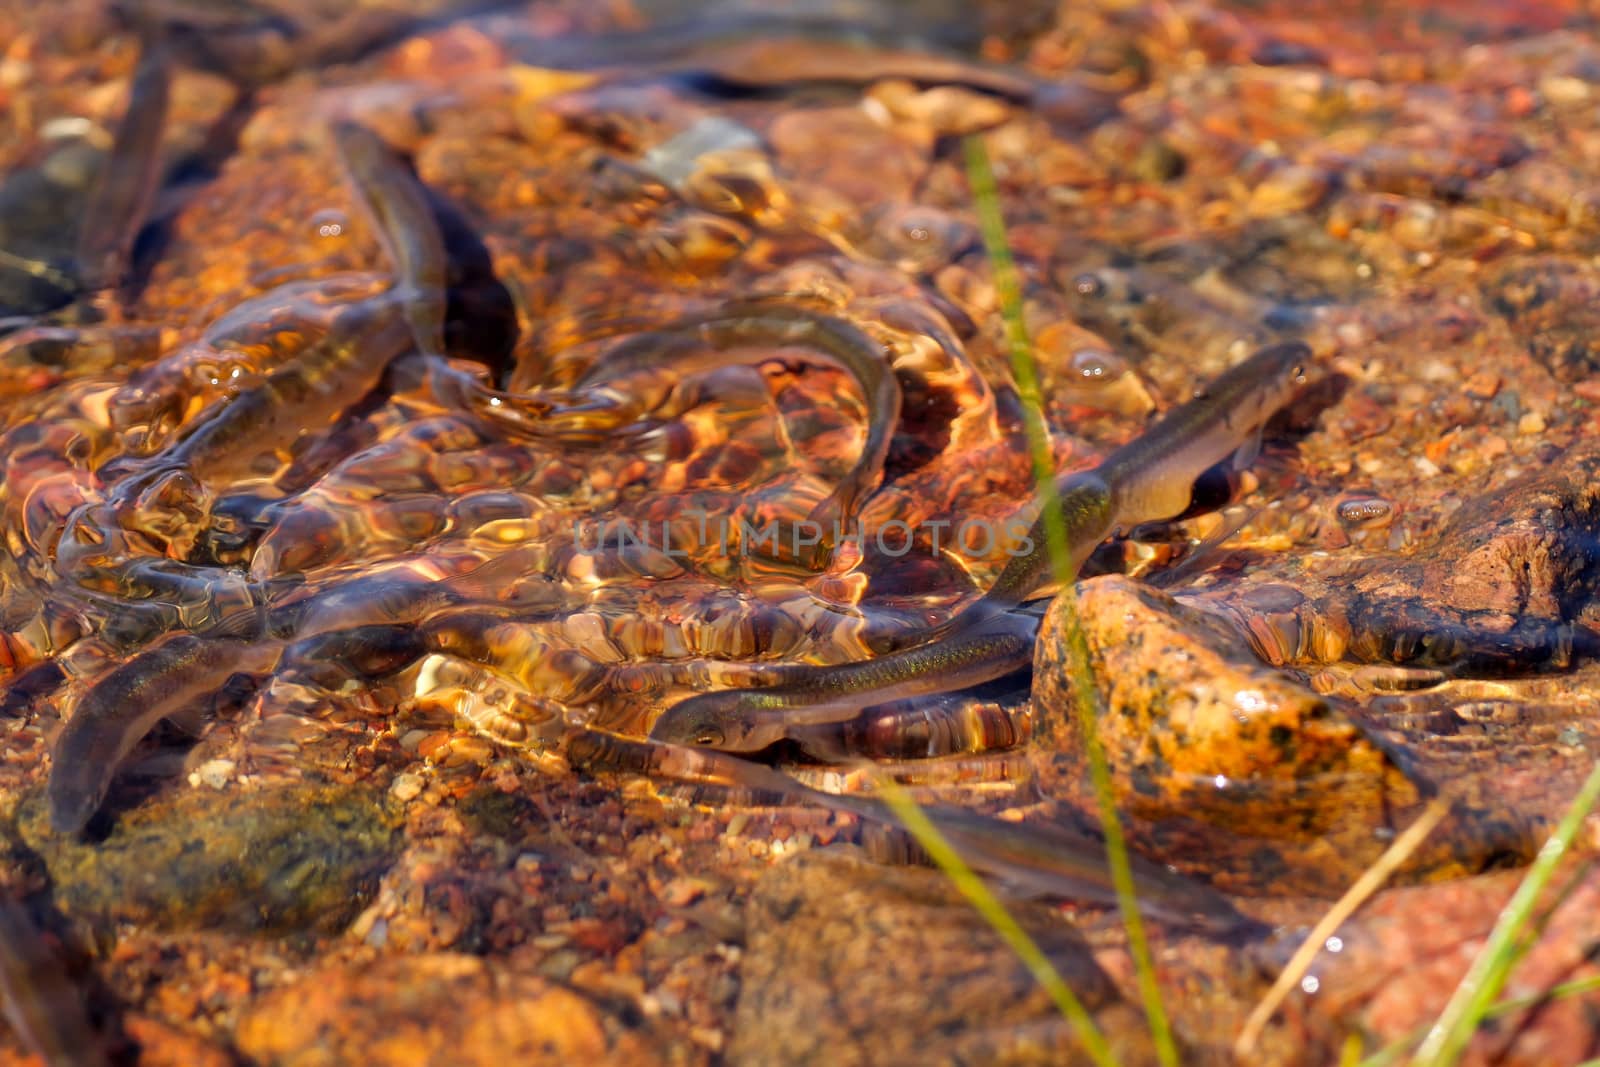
x=1470, y=1003
x=1008, y=291
x=1371, y=880
x=995, y=914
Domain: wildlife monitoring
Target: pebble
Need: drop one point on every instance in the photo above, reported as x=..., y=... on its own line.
x=1482, y=385
x=412, y=740
x=683, y=891
x=1531, y=423
x=406, y=786
x=215, y=773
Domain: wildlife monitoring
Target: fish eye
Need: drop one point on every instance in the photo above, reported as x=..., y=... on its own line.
x=1089, y=284
x=329, y=223
x=1097, y=365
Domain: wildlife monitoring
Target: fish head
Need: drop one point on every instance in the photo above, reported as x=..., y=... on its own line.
x=697, y=721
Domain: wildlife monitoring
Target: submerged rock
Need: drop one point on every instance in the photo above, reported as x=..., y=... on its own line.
x=1221, y=764
x=850, y=963
x=437, y=1008
x=299, y=857
x=1391, y=970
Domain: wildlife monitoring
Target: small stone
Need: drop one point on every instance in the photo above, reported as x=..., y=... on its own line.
x=1482, y=385
x=160, y=1043
x=1564, y=89
x=1291, y=188
x=435, y=745
x=467, y=751
x=681, y=892
x=216, y=773
x=1531, y=423
x=1437, y=450
x=406, y=786
x=412, y=740
x=369, y=1014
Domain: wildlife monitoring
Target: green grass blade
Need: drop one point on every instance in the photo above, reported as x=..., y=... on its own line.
x=995, y=914
x=1371, y=880
x=1393, y=1052
x=991, y=223
x=1470, y=1003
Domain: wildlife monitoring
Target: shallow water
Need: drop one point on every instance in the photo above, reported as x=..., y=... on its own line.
x=476, y=373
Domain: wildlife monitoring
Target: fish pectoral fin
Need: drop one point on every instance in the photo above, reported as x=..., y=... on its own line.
x=1248, y=452
x=191, y=720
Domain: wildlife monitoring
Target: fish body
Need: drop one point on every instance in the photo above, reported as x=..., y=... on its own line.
x=1148, y=479
x=122, y=195
x=406, y=226
x=749, y=324
x=125, y=705
x=1032, y=860
x=747, y=720
x=308, y=392
x=924, y=730
x=1151, y=478
x=38, y=998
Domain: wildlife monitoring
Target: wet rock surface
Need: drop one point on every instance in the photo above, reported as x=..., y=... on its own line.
x=290, y=859
x=1221, y=763
x=841, y=957
x=342, y=1017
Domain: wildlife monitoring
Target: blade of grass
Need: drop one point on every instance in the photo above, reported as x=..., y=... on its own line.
x=991, y=223
x=995, y=914
x=1469, y=1004
x=1370, y=882
x=1392, y=1052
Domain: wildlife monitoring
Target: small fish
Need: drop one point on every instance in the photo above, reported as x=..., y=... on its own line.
x=255, y=44
x=125, y=705
x=1028, y=859
x=39, y=999
x=234, y=432
x=743, y=325
x=1149, y=479
x=413, y=239
x=362, y=601
x=122, y=195
x=767, y=50
x=1045, y=860
x=913, y=732
x=332, y=658
x=748, y=720
x=405, y=223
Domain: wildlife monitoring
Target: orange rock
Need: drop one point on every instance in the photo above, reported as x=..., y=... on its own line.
x=436, y=1008
x=1482, y=385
